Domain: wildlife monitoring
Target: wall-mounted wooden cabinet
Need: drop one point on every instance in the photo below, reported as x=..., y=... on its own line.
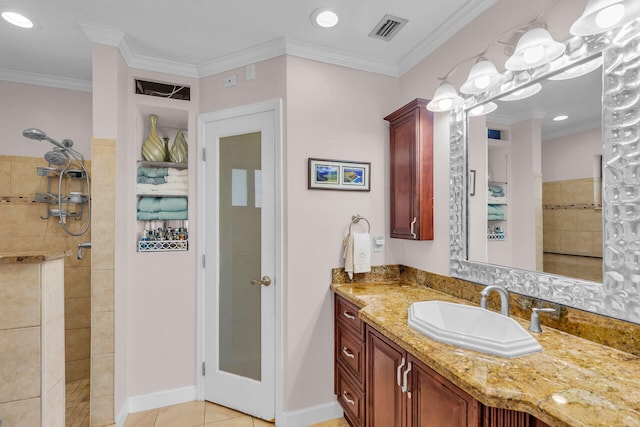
x=411, y=170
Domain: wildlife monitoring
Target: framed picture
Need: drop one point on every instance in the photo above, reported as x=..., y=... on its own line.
x=339, y=175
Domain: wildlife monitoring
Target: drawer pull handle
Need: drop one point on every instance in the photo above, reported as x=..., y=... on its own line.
x=347, y=353
x=348, y=315
x=399, y=372
x=345, y=396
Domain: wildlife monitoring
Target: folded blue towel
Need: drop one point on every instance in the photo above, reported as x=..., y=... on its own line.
x=149, y=180
x=496, y=190
x=152, y=172
x=495, y=210
x=162, y=204
x=491, y=217
x=155, y=216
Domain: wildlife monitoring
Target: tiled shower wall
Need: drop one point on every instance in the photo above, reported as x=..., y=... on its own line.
x=24, y=230
x=572, y=224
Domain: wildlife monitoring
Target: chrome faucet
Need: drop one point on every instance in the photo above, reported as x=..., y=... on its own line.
x=86, y=245
x=504, y=298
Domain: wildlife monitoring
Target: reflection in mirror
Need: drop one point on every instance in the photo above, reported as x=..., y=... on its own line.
x=618, y=295
x=537, y=162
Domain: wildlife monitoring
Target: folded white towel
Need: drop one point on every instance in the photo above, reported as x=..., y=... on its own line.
x=357, y=253
x=177, y=172
x=176, y=178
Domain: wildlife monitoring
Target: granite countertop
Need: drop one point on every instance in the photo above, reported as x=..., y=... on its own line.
x=34, y=257
x=572, y=382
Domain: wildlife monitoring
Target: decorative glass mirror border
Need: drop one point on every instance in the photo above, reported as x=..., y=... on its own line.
x=619, y=294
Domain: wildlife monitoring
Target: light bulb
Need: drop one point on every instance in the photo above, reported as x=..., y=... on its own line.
x=17, y=19
x=482, y=82
x=610, y=16
x=327, y=19
x=533, y=54
x=445, y=104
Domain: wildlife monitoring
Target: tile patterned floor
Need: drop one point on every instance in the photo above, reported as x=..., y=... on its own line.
x=203, y=414
x=77, y=398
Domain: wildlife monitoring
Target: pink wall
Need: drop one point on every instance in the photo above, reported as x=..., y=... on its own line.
x=60, y=113
x=572, y=156
x=333, y=113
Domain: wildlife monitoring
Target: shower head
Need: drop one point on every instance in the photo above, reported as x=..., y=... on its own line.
x=33, y=133
x=56, y=157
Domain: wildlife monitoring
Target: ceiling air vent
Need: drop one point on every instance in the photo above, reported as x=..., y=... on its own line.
x=388, y=27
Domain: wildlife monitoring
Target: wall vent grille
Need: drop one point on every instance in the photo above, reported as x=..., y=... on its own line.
x=388, y=27
x=163, y=90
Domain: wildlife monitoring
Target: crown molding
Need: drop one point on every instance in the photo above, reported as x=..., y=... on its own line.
x=261, y=52
x=45, y=80
x=118, y=39
x=342, y=58
x=443, y=32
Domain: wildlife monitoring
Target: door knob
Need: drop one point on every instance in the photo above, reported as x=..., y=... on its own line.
x=266, y=281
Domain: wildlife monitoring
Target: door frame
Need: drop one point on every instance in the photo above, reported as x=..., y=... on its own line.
x=274, y=106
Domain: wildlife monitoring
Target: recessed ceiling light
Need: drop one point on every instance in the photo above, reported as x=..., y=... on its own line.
x=324, y=17
x=560, y=118
x=17, y=19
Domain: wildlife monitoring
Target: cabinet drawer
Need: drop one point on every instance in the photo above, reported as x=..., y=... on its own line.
x=350, y=353
x=351, y=399
x=347, y=314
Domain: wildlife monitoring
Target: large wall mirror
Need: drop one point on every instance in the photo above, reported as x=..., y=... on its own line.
x=551, y=209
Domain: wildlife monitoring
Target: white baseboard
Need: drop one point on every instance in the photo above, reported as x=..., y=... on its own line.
x=300, y=418
x=313, y=415
x=155, y=400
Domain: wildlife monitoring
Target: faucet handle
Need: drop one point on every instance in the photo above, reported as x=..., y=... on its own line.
x=535, y=318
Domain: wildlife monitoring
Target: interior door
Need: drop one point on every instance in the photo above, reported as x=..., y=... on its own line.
x=240, y=250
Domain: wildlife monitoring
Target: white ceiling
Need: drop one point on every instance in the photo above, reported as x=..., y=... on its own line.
x=202, y=37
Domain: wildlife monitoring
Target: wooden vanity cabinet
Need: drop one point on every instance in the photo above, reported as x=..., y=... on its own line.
x=411, y=170
x=402, y=391
x=370, y=371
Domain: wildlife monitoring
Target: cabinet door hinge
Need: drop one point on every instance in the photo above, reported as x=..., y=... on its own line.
x=203, y=261
x=204, y=154
x=203, y=369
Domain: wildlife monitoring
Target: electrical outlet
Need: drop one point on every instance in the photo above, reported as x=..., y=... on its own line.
x=230, y=81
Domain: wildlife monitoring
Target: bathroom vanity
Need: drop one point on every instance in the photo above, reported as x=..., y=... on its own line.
x=32, y=371
x=387, y=374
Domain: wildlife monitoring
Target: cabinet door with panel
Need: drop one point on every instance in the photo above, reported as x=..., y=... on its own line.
x=387, y=368
x=439, y=403
x=411, y=170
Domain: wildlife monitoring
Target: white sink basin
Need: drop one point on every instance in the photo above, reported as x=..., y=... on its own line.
x=471, y=327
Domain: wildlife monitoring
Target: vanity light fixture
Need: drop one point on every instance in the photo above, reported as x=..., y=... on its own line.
x=523, y=93
x=484, y=109
x=445, y=99
x=323, y=17
x=535, y=48
x=482, y=77
x=17, y=19
x=578, y=70
x=602, y=15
